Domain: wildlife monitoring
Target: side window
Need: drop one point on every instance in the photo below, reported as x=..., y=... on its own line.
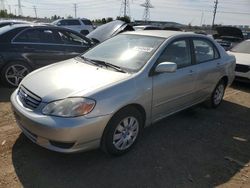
x=38, y=36
x=71, y=38
x=48, y=36
x=31, y=35
x=204, y=51
x=72, y=22
x=87, y=22
x=177, y=52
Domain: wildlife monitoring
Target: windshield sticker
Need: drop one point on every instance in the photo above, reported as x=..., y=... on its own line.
x=143, y=49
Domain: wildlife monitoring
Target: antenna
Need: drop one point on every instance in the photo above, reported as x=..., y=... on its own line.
x=125, y=9
x=146, y=14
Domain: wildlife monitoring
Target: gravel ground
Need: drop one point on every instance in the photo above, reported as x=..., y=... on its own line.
x=198, y=147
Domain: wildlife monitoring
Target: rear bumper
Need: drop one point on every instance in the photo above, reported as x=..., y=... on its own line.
x=59, y=134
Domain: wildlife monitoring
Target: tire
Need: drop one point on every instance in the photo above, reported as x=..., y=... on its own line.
x=84, y=32
x=118, y=138
x=13, y=73
x=217, y=95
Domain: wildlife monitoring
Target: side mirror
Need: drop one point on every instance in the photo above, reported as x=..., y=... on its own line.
x=166, y=67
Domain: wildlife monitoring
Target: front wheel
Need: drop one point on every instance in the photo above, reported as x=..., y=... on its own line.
x=122, y=131
x=13, y=73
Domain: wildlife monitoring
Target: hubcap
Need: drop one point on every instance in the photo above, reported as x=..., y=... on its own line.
x=15, y=73
x=218, y=95
x=126, y=133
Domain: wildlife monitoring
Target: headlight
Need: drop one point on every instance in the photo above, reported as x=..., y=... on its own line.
x=69, y=107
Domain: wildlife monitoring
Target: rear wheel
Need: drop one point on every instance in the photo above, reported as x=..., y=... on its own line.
x=123, y=131
x=217, y=95
x=13, y=73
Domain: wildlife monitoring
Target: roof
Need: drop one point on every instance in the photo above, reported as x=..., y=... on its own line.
x=159, y=33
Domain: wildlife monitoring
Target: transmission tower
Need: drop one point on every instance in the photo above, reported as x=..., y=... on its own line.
x=20, y=11
x=2, y=7
x=125, y=9
x=215, y=10
x=146, y=14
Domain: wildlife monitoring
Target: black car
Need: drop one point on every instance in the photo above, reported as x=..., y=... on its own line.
x=24, y=48
x=228, y=37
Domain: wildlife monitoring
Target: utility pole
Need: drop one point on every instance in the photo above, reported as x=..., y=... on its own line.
x=9, y=9
x=125, y=10
x=215, y=10
x=202, y=15
x=2, y=7
x=20, y=12
x=75, y=9
x=35, y=11
x=146, y=14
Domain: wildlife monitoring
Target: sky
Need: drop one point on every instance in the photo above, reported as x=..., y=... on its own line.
x=195, y=12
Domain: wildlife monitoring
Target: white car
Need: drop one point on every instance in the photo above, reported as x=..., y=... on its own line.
x=83, y=25
x=242, y=54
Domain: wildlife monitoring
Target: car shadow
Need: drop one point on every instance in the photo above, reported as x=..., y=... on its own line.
x=189, y=149
x=5, y=94
x=243, y=86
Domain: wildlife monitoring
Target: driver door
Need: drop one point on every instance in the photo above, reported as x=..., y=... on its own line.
x=174, y=91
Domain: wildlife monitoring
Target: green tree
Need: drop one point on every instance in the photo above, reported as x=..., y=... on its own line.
x=125, y=19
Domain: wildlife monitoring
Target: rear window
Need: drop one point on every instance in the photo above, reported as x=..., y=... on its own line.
x=70, y=22
x=87, y=22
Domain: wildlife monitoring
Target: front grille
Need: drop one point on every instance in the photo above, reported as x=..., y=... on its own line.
x=28, y=99
x=242, y=68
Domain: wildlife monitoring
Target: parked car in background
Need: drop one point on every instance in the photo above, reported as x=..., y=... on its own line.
x=25, y=47
x=83, y=25
x=228, y=37
x=146, y=27
x=109, y=30
x=242, y=54
x=12, y=22
x=105, y=97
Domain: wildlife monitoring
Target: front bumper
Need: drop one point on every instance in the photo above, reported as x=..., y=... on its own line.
x=59, y=134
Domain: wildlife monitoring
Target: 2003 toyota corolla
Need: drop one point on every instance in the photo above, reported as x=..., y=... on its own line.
x=106, y=96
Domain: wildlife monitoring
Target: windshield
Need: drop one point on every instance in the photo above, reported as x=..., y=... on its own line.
x=130, y=52
x=243, y=47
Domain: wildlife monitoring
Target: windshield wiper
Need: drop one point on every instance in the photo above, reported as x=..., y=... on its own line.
x=90, y=61
x=106, y=64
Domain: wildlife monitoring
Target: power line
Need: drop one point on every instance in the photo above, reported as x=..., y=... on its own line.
x=146, y=14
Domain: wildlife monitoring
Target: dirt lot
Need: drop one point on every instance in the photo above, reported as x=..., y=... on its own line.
x=196, y=148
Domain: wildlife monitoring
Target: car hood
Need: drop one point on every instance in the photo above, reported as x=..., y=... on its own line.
x=69, y=78
x=108, y=30
x=241, y=58
x=229, y=31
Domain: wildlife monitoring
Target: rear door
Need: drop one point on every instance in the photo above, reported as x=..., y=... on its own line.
x=40, y=46
x=208, y=65
x=174, y=91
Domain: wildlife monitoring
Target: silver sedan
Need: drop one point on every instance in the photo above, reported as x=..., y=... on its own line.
x=105, y=97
